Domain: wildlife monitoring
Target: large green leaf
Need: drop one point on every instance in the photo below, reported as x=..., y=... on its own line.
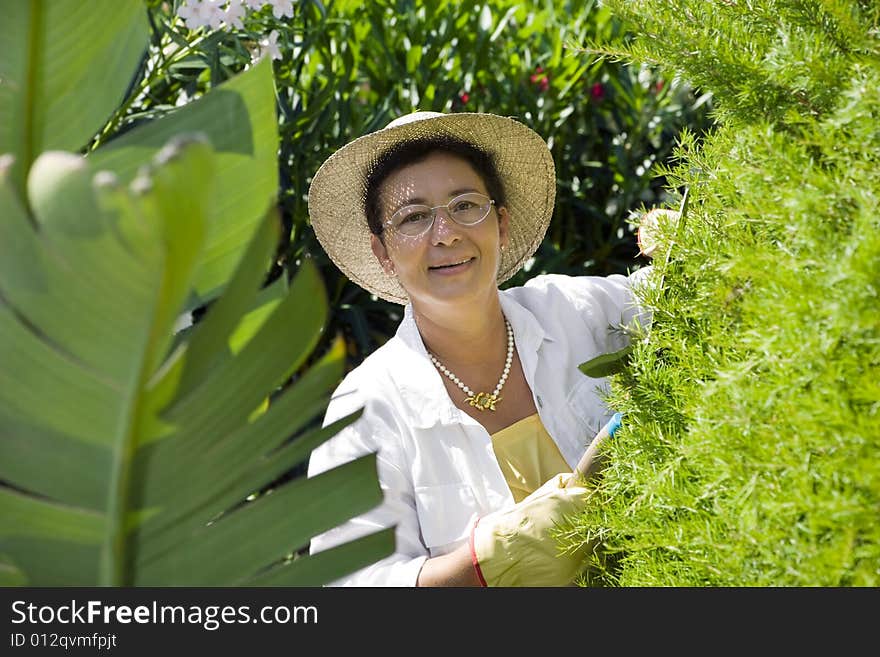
x=52, y=93
x=10, y=574
x=127, y=452
x=64, y=68
x=238, y=118
x=132, y=461
x=320, y=568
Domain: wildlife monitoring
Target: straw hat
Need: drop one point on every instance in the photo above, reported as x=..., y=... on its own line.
x=337, y=192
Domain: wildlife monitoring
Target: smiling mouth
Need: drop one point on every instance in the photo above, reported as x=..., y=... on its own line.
x=452, y=264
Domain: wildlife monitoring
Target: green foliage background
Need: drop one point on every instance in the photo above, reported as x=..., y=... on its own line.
x=348, y=68
x=749, y=453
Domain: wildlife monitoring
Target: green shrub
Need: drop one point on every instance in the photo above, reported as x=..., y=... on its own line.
x=749, y=450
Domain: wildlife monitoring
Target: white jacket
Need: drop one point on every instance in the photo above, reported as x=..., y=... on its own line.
x=436, y=465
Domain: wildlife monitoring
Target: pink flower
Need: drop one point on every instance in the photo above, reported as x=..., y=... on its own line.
x=540, y=79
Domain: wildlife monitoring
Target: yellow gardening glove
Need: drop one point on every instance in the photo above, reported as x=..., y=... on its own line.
x=513, y=547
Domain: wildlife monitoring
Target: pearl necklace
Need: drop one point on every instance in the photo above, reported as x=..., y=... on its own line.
x=482, y=400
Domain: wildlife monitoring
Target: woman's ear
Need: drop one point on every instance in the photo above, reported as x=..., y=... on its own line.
x=503, y=227
x=381, y=253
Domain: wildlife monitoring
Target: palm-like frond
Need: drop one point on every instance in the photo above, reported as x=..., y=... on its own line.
x=129, y=453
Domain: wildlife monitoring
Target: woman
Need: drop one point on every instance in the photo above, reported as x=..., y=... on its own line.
x=475, y=408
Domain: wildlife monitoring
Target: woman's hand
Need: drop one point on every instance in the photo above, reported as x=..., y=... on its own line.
x=514, y=546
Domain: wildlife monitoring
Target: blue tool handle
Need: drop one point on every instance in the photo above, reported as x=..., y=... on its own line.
x=591, y=460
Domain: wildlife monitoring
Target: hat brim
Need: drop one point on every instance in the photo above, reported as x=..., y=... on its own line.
x=336, y=194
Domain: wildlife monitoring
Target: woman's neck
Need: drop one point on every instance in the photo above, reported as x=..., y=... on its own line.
x=469, y=334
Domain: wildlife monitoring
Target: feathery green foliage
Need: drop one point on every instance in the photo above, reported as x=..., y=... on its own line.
x=749, y=450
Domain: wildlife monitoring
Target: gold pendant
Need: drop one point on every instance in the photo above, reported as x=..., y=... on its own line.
x=483, y=400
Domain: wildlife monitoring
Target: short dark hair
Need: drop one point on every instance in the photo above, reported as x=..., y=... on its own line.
x=406, y=153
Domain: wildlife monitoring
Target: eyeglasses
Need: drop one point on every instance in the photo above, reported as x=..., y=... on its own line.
x=416, y=220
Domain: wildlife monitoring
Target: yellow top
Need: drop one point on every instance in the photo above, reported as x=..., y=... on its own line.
x=527, y=455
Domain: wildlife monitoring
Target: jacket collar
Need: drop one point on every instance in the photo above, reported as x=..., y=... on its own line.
x=421, y=385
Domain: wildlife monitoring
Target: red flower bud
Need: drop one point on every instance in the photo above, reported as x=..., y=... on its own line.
x=540, y=79
x=597, y=91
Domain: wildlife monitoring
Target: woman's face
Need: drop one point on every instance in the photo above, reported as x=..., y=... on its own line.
x=450, y=263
